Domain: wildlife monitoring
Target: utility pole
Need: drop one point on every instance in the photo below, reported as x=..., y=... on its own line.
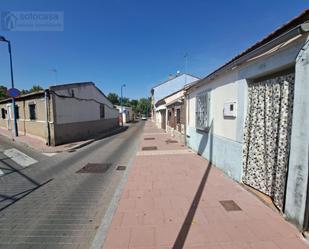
x=12, y=82
x=121, y=103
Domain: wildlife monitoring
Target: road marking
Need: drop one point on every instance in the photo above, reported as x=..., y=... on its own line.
x=50, y=154
x=19, y=157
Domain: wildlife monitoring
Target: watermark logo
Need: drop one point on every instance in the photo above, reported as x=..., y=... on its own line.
x=32, y=20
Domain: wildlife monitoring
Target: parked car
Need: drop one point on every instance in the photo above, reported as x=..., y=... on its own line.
x=144, y=117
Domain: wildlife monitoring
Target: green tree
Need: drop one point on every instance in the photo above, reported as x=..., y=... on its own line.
x=113, y=97
x=134, y=104
x=35, y=88
x=144, y=106
x=23, y=92
x=126, y=101
x=3, y=92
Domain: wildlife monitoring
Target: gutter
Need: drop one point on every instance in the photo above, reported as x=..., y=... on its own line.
x=298, y=30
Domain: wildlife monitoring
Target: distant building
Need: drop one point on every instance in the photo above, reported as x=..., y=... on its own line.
x=174, y=83
x=171, y=114
x=128, y=114
x=61, y=114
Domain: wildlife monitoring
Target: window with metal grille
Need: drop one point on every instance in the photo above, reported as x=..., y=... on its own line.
x=178, y=116
x=102, y=111
x=32, y=112
x=202, y=110
x=3, y=113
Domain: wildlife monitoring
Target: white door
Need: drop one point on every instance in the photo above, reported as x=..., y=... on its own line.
x=9, y=116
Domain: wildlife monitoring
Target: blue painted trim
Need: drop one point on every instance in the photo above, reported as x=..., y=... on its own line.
x=224, y=153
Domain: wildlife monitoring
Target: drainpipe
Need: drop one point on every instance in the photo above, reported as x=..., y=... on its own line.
x=46, y=95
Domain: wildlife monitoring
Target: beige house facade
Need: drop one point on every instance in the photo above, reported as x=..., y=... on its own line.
x=61, y=114
x=171, y=114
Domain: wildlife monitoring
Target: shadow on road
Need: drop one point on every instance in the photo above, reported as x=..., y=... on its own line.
x=4, y=198
x=111, y=133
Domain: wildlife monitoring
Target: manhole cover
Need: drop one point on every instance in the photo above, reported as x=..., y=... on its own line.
x=230, y=205
x=169, y=141
x=95, y=168
x=150, y=148
x=121, y=168
x=149, y=138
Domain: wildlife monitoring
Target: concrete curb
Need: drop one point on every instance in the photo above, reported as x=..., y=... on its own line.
x=102, y=231
x=78, y=146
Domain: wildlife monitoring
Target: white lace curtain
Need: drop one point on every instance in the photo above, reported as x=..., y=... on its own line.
x=267, y=136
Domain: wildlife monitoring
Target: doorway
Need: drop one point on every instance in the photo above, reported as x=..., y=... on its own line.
x=163, y=119
x=267, y=135
x=9, y=116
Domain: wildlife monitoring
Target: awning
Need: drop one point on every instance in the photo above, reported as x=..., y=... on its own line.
x=160, y=108
x=178, y=101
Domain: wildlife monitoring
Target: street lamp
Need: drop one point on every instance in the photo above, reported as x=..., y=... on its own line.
x=2, y=38
x=121, y=103
x=121, y=100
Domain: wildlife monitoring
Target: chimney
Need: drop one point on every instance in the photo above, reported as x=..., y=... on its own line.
x=170, y=76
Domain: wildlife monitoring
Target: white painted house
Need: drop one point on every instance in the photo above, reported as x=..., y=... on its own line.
x=250, y=118
x=61, y=113
x=127, y=113
x=160, y=91
x=80, y=110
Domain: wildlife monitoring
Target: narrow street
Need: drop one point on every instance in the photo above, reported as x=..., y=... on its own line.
x=53, y=203
x=154, y=124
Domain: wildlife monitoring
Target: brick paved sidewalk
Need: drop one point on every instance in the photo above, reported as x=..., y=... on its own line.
x=172, y=200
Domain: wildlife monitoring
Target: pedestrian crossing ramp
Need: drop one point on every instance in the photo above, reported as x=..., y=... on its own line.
x=20, y=159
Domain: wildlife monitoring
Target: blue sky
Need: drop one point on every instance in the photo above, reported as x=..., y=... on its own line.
x=138, y=43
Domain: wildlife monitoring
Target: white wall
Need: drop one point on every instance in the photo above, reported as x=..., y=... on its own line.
x=223, y=89
x=158, y=119
x=127, y=115
x=223, y=145
x=232, y=86
x=171, y=86
x=71, y=110
x=297, y=185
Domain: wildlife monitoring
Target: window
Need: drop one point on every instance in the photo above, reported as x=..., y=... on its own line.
x=32, y=113
x=17, y=111
x=102, y=111
x=202, y=110
x=3, y=113
x=169, y=115
x=178, y=116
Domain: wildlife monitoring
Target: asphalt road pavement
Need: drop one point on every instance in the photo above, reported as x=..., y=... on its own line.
x=57, y=202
